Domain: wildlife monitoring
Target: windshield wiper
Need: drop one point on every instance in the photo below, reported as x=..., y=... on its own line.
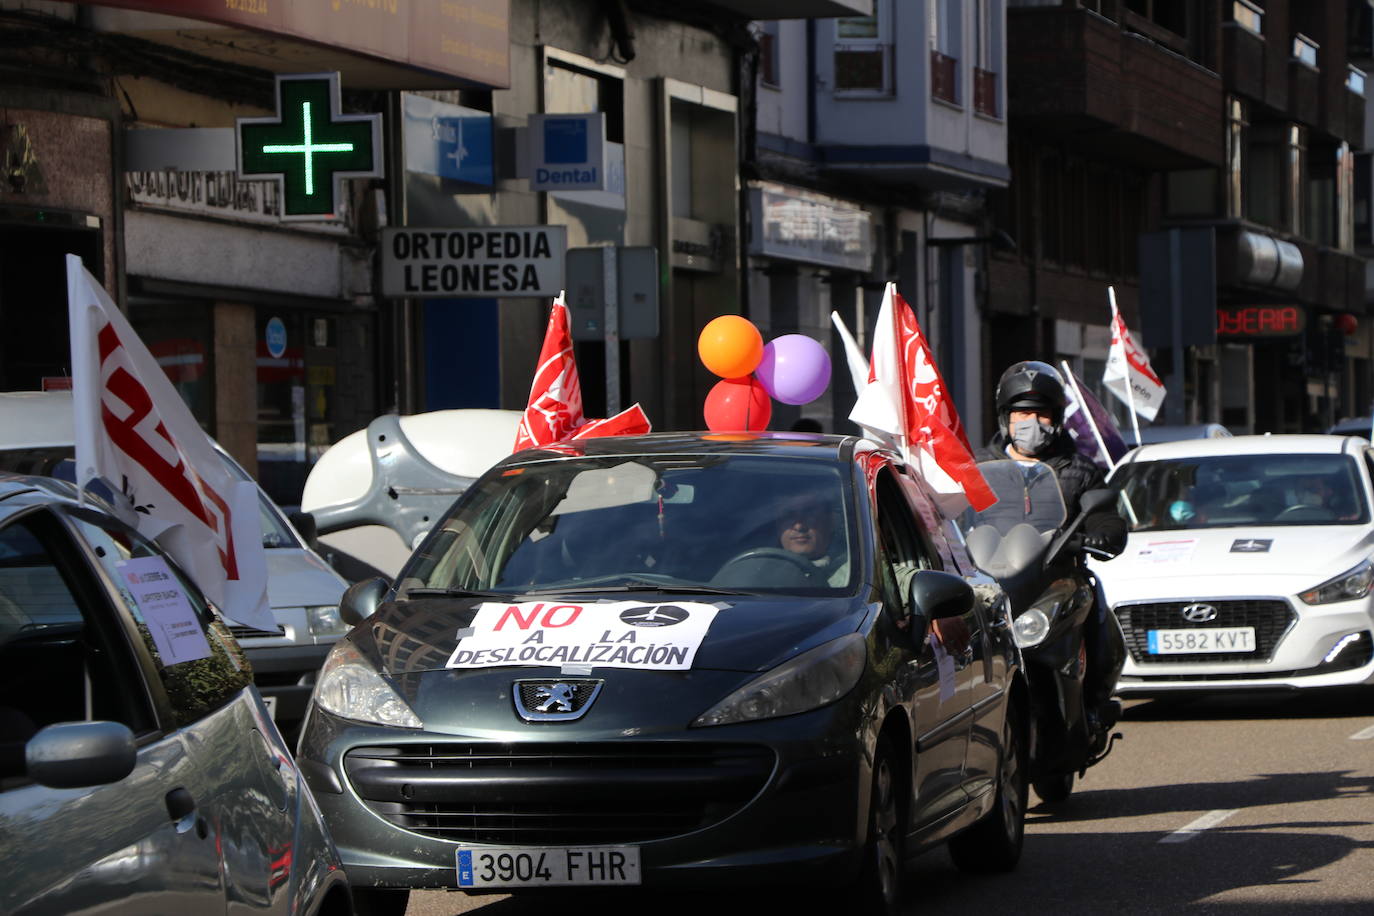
x=453, y=593
x=685, y=589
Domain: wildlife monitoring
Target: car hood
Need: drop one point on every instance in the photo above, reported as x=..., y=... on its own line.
x=299, y=578
x=1252, y=561
x=748, y=632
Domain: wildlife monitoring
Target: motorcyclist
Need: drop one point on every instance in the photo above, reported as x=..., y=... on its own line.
x=1031, y=400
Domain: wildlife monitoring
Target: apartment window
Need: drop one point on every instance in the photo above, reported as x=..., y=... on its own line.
x=1051, y=208
x=1296, y=168
x=1263, y=178
x=1235, y=157
x=767, y=36
x=863, y=52
x=1354, y=80
x=1345, y=197
x=1305, y=50
x=1248, y=16
x=946, y=19
x=987, y=32
x=571, y=90
x=1321, y=194
x=1360, y=204
x=1190, y=192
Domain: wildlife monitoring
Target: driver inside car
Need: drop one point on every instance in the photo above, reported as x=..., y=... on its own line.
x=806, y=527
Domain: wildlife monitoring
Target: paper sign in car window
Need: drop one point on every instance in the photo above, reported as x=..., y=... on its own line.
x=166, y=610
x=614, y=634
x=1166, y=552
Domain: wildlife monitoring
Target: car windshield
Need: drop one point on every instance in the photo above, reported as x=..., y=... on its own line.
x=56, y=461
x=733, y=523
x=1227, y=491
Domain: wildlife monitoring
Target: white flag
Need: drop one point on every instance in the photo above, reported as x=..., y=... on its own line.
x=1128, y=374
x=133, y=430
x=853, y=356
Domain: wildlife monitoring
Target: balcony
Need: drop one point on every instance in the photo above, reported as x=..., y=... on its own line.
x=1118, y=94
x=796, y=9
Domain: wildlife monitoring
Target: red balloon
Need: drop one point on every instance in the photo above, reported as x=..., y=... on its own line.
x=735, y=404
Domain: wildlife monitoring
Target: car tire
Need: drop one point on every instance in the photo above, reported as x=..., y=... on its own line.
x=878, y=889
x=994, y=843
x=379, y=901
x=1054, y=788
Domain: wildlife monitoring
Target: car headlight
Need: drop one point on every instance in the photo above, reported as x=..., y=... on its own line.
x=349, y=687
x=324, y=620
x=1346, y=587
x=1029, y=629
x=807, y=682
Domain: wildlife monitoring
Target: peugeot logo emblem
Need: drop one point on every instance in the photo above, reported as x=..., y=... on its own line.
x=555, y=700
x=1199, y=613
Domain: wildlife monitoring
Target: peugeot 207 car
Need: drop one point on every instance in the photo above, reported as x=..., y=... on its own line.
x=139, y=770
x=1248, y=564
x=675, y=660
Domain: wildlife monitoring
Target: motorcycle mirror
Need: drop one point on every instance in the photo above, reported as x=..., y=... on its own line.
x=1094, y=500
x=1091, y=501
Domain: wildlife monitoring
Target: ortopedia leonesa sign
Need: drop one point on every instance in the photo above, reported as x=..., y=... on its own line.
x=491, y=262
x=610, y=634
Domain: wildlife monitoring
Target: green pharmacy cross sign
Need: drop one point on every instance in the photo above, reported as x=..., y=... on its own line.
x=309, y=148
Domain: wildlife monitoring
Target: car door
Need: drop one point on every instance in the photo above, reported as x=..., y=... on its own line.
x=238, y=773
x=937, y=680
x=81, y=850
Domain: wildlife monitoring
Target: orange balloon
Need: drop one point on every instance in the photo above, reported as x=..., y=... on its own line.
x=730, y=346
x=737, y=404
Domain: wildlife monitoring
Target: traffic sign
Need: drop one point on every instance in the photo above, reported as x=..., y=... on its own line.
x=310, y=146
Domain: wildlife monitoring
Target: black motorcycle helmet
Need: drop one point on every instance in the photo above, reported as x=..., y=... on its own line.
x=1031, y=385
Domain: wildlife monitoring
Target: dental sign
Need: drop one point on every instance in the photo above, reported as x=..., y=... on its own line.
x=567, y=152
x=310, y=147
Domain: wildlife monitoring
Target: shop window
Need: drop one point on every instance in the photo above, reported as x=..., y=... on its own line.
x=180, y=337
x=296, y=377
x=1360, y=205
x=863, y=53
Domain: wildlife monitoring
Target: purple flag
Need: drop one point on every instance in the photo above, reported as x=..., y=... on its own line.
x=1077, y=423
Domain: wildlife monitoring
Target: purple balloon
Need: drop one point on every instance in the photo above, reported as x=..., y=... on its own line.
x=794, y=370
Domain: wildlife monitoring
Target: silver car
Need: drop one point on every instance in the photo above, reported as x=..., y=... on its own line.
x=139, y=769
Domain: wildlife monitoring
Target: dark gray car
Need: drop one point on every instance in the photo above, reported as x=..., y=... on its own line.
x=139, y=769
x=675, y=660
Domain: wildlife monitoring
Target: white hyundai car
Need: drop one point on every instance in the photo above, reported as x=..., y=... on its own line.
x=1248, y=564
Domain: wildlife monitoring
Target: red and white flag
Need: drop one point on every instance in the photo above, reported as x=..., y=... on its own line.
x=906, y=403
x=1128, y=374
x=134, y=431
x=555, y=406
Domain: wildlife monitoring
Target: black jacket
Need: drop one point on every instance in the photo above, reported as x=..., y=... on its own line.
x=1076, y=474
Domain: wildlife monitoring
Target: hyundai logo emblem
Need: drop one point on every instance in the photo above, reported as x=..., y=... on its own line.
x=1199, y=613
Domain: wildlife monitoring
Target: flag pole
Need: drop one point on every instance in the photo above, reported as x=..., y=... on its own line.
x=1083, y=406
x=1130, y=388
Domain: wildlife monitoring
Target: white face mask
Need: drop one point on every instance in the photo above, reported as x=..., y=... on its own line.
x=1031, y=437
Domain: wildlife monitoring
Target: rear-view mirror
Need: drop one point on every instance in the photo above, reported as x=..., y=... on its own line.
x=305, y=526
x=361, y=600
x=73, y=755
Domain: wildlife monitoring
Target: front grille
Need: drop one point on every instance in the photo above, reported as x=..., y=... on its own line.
x=242, y=632
x=1271, y=618
x=546, y=794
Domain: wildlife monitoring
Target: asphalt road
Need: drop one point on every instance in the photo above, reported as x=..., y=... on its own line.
x=1255, y=806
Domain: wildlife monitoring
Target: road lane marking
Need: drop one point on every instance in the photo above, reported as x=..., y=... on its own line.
x=1363, y=735
x=1208, y=820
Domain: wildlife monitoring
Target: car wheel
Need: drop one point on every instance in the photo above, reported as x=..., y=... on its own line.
x=994, y=843
x=1054, y=789
x=879, y=886
x=379, y=901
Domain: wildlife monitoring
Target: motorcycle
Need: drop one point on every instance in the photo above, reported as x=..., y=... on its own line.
x=1023, y=541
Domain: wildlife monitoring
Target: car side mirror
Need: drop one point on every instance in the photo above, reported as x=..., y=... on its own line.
x=305, y=526
x=361, y=600
x=73, y=755
x=934, y=595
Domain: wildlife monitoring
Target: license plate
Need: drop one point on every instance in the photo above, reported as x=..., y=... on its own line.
x=271, y=704
x=1215, y=639
x=523, y=866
